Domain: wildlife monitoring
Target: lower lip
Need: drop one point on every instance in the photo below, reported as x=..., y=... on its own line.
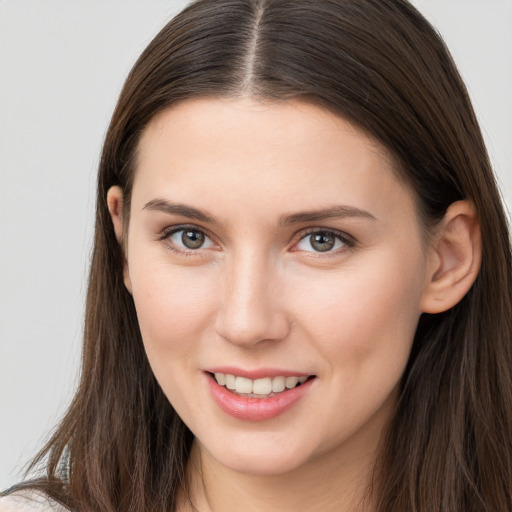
x=256, y=409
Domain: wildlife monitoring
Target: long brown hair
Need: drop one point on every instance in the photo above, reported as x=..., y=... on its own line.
x=379, y=64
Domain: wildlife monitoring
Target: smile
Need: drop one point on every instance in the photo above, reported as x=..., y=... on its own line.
x=258, y=399
x=266, y=387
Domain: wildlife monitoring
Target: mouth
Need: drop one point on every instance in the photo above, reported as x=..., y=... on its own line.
x=266, y=387
x=260, y=399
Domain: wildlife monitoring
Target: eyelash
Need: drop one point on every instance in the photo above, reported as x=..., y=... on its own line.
x=348, y=241
x=169, y=232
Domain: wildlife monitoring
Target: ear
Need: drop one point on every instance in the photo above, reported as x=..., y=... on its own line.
x=455, y=259
x=115, y=208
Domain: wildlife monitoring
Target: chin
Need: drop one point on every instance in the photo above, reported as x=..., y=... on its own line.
x=259, y=456
x=262, y=465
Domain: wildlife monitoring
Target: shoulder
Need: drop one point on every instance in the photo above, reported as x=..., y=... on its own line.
x=29, y=501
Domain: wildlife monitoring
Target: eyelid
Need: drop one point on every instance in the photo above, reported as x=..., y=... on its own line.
x=166, y=233
x=348, y=240
x=169, y=230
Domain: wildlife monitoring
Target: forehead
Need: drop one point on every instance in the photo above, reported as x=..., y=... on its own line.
x=276, y=123
x=219, y=149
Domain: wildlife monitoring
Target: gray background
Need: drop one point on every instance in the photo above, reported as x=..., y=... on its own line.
x=62, y=65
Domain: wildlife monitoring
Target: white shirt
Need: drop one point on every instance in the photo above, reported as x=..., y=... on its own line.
x=29, y=501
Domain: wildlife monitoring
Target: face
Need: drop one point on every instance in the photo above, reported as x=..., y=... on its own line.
x=271, y=244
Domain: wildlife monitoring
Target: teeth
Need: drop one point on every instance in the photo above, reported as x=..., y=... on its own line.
x=278, y=384
x=291, y=382
x=262, y=386
x=258, y=387
x=230, y=381
x=221, y=378
x=243, y=385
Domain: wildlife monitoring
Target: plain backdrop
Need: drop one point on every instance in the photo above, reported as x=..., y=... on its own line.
x=62, y=65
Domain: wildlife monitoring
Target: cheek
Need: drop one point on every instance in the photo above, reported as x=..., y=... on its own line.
x=173, y=309
x=173, y=306
x=365, y=316
x=363, y=324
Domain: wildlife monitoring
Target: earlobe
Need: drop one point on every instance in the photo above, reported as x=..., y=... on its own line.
x=115, y=208
x=456, y=255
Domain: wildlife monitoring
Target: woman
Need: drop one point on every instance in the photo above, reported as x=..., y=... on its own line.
x=300, y=293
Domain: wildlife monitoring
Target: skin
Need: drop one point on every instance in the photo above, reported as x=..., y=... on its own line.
x=257, y=294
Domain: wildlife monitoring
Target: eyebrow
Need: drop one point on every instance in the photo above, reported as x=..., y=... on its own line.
x=335, y=212
x=163, y=205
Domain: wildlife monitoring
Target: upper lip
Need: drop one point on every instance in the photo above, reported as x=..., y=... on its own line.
x=257, y=373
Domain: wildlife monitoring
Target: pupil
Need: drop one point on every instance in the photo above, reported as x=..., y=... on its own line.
x=322, y=242
x=192, y=239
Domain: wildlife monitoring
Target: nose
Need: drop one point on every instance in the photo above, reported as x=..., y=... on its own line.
x=251, y=308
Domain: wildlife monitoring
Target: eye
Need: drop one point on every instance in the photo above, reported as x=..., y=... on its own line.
x=322, y=241
x=188, y=239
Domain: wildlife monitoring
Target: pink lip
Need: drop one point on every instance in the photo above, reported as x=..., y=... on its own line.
x=258, y=373
x=256, y=409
